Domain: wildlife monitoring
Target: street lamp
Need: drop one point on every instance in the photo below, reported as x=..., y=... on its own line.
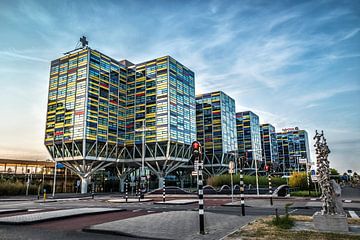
x=256, y=170
x=143, y=129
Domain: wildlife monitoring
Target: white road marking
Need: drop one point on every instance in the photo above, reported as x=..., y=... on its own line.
x=353, y=214
x=293, y=211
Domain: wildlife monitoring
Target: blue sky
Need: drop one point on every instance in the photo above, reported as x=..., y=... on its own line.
x=294, y=63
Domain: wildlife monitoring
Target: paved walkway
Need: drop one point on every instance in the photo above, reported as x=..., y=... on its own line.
x=51, y=215
x=260, y=203
x=174, y=225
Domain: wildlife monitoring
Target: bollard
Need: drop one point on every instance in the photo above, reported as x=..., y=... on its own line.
x=270, y=190
x=126, y=190
x=44, y=195
x=242, y=193
x=164, y=189
x=201, y=201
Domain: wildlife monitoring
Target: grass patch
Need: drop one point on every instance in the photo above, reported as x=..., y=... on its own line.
x=283, y=222
x=264, y=229
x=304, y=193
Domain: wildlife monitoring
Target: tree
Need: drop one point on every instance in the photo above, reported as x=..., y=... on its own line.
x=298, y=180
x=333, y=171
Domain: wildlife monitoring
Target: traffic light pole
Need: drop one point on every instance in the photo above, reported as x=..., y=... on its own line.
x=201, y=199
x=196, y=152
x=270, y=190
x=242, y=189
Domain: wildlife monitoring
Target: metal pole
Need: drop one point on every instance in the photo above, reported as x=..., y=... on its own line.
x=270, y=190
x=139, y=192
x=242, y=191
x=27, y=183
x=164, y=189
x=201, y=200
x=257, y=178
x=54, y=183
x=232, y=188
x=308, y=178
x=126, y=190
x=143, y=152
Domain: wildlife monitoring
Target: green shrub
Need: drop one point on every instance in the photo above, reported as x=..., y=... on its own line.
x=284, y=222
x=298, y=180
x=10, y=188
x=304, y=193
x=225, y=179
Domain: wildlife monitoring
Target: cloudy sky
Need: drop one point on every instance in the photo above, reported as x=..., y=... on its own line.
x=294, y=63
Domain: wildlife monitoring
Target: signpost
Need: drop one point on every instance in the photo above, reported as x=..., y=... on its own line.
x=231, y=171
x=242, y=188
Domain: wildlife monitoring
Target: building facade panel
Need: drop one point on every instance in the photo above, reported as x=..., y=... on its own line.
x=216, y=128
x=248, y=137
x=269, y=143
x=293, y=147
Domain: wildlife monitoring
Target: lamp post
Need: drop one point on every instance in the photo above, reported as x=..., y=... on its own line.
x=256, y=171
x=143, y=129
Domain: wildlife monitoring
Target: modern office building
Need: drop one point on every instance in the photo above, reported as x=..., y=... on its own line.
x=216, y=130
x=85, y=126
x=161, y=94
x=248, y=138
x=293, y=149
x=96, y=105
x=269, y=144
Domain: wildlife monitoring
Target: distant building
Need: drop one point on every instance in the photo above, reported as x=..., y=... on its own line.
x=248, y=138
x=269, y=143
x=293, y=149
x=216, y=130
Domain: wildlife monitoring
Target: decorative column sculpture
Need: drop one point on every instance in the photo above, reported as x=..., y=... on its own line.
x=331, y=217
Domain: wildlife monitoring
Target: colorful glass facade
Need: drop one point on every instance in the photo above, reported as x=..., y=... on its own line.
x=96, y=106
x=86, y=106
x=248, y=137
x=293, y=145
x=161, y=92
x=269, y=143
x=216, y=129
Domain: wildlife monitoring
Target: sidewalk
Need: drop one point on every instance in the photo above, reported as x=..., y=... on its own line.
x=52, y=215
x=182, y=225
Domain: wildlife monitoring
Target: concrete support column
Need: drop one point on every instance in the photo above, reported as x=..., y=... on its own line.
x=122, y=184
x=161, y=181
x=84, y=184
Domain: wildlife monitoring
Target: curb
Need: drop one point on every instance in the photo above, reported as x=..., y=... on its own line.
x=118, y=233
x=59, y=218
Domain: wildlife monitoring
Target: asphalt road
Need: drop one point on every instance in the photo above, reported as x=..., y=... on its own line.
x=71, y=228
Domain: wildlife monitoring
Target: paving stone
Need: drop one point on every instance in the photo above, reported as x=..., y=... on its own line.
x=43, y=216
x=174, y=225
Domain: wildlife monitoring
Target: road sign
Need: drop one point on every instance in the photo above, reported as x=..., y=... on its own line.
x=313, y=173
x=302, y=160
x=314, y=178
x=231, y=165
x=194, y=173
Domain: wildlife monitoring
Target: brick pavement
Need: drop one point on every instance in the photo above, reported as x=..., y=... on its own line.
x=50, y=215
x=174, y=225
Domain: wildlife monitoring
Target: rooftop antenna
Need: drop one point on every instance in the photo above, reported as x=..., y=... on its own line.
x=83, y=41
x=84, y=44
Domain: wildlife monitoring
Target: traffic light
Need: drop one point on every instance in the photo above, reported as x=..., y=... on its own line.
x=267, y=168
x=196, y=149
